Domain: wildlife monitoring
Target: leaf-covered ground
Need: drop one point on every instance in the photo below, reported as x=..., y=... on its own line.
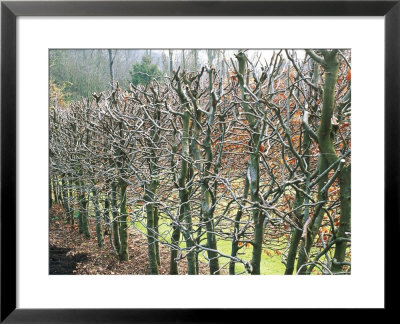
x=72, y=253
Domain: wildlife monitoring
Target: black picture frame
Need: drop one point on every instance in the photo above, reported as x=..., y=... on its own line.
x=9, y=13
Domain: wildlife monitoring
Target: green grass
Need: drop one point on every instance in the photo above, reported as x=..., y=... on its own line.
x=270, y=265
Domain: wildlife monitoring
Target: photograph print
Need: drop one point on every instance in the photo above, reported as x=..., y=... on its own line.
x=199, y=161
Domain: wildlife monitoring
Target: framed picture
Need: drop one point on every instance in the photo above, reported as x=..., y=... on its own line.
x=197, y=52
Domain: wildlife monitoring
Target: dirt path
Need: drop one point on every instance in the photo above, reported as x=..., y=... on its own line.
x=64, y=261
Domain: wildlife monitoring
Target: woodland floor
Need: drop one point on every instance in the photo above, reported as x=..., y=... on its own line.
x=72, y=253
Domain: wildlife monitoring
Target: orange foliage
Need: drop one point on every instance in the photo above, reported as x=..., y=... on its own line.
x=348, y=77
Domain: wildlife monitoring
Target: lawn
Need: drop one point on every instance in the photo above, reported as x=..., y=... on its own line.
x=270, y=264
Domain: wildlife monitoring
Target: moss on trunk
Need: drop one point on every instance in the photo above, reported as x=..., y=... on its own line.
x=115, y=220
x=99, y=226
x=123, y=224
x=65, y=200
x=327, y=151
x=85, y=217
x=175, y=237
x=345, y=218
x=151, y=248
x=296, y=235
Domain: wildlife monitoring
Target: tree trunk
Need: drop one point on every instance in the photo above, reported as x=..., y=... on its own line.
x=99, y=227
x=183, y=60
x=55, y=189
x=85, y=216
x=345, y=216
x=115, y=220
x=327, y=151
x=185, y=211
x=176, y=232
x=110, y=64
x=258, y=215
x=107, y=211
x=156, y=243
x=123, y=224
x=171, y=64
x=207, y=203
x=65, y=200
x=196, y=59
x=299, y=200
x=175, y=238
x=50, y=193
x=59, y=190
x=80, y=206
x=184, y=196
x=149, y=199
x=71, y=195
x=253, y=172
x=236, y=228
x=296, y=236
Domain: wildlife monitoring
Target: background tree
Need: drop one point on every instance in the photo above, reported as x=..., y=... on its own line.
x=144, y=71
